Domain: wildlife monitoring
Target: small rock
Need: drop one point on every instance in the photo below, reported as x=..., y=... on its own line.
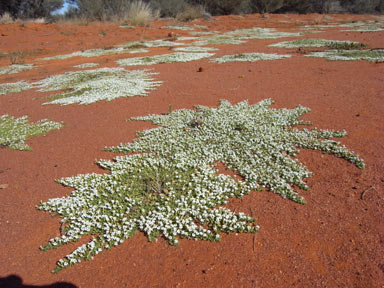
x=4, y=186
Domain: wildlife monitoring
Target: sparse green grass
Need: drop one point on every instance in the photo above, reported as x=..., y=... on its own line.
x=14, y=132
x=167, y=184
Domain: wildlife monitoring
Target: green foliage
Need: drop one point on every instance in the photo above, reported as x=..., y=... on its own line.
x=14, y=132
x=167, y=184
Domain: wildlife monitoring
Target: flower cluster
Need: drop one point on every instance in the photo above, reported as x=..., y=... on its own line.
x=167, y=184
x=350, y=55
x=249, y=57
x=313, y=43
x=86, y=65
x=166, y=58
x=96, y=53
x=14, y=132
x=89, y=86
x=15, y=68
x=15, y=87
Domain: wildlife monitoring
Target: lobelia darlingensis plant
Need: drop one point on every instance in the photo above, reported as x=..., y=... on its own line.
x=14, y=132
x=167, y=185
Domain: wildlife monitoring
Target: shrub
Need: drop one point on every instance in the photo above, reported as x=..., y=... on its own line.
x=191, y=12
x=223, y=7
x=169, y=8
x=141, y=13
x=6, y=18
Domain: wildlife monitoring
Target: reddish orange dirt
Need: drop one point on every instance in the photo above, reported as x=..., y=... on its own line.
x=335, y=240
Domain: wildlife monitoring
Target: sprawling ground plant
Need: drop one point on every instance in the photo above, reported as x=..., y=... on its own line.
x=86, y=65
x=260, y=33
x=334, y=44
x=89, y=86
x=178, y=27
x=15, y=87
x=249, y=57
x=167, y=184
x=97, y=53
x=166, y=58
x=14, y=132
x=15, y=68
x=150, y=44
x=376, y=55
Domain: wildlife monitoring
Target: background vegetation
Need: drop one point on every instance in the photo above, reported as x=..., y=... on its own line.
x=122, y=10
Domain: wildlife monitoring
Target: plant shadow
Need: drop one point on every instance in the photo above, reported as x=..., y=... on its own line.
x=14, y=281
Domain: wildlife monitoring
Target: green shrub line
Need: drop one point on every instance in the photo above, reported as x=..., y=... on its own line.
x=167, y=185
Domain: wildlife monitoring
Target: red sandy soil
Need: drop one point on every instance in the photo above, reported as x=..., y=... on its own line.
x=336, y=240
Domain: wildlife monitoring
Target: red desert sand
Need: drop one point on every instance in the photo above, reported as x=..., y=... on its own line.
x=335, y=240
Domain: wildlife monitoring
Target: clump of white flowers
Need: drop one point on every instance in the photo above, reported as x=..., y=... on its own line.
x=89, y=86
x=97, y=53
x=14, y=132
x=15, y=87
x=249, y=57
x=86, y=65
x=178, y=27
x=350, y=55
x=167, y=184
x=316, y=43
x=15, y=68
x=166, y=58
x=260, y=33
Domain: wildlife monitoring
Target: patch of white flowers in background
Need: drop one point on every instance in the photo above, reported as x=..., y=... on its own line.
x=238, y=36
x=178, y=27
x=15, y=87
x=260, y=33
x=312, y=43
x=150, y=44
x=166, y=58
x=86, y=65
x=14, y=132
x=167, y=184
x=369, y=28
x=89, y=86
x=218, y=40
x=198, y=33
x=187, y=38
x=350, y=55
x=97, y=53
x=249, y=57
x=195, y=49
x=127, y=26
x=15, y=68
x=200, y=26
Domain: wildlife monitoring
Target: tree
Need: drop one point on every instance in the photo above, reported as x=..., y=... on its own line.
x=30, y=8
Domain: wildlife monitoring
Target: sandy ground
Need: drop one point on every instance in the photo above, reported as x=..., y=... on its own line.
x=335, y=240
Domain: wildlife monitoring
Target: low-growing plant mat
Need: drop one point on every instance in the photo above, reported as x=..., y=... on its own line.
x=150, y=44
x=97, y=52
x=249, y=57
x=86, y=65
x=15, y=87
x=332, y=241
x=195, y=49
x=89, y=86
x=260, y=33
x=334, y=44
x=15, y=68
x=179, y=27
x=14, y=132
x=350, y=55
x=166, y=58
x=169, y=187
